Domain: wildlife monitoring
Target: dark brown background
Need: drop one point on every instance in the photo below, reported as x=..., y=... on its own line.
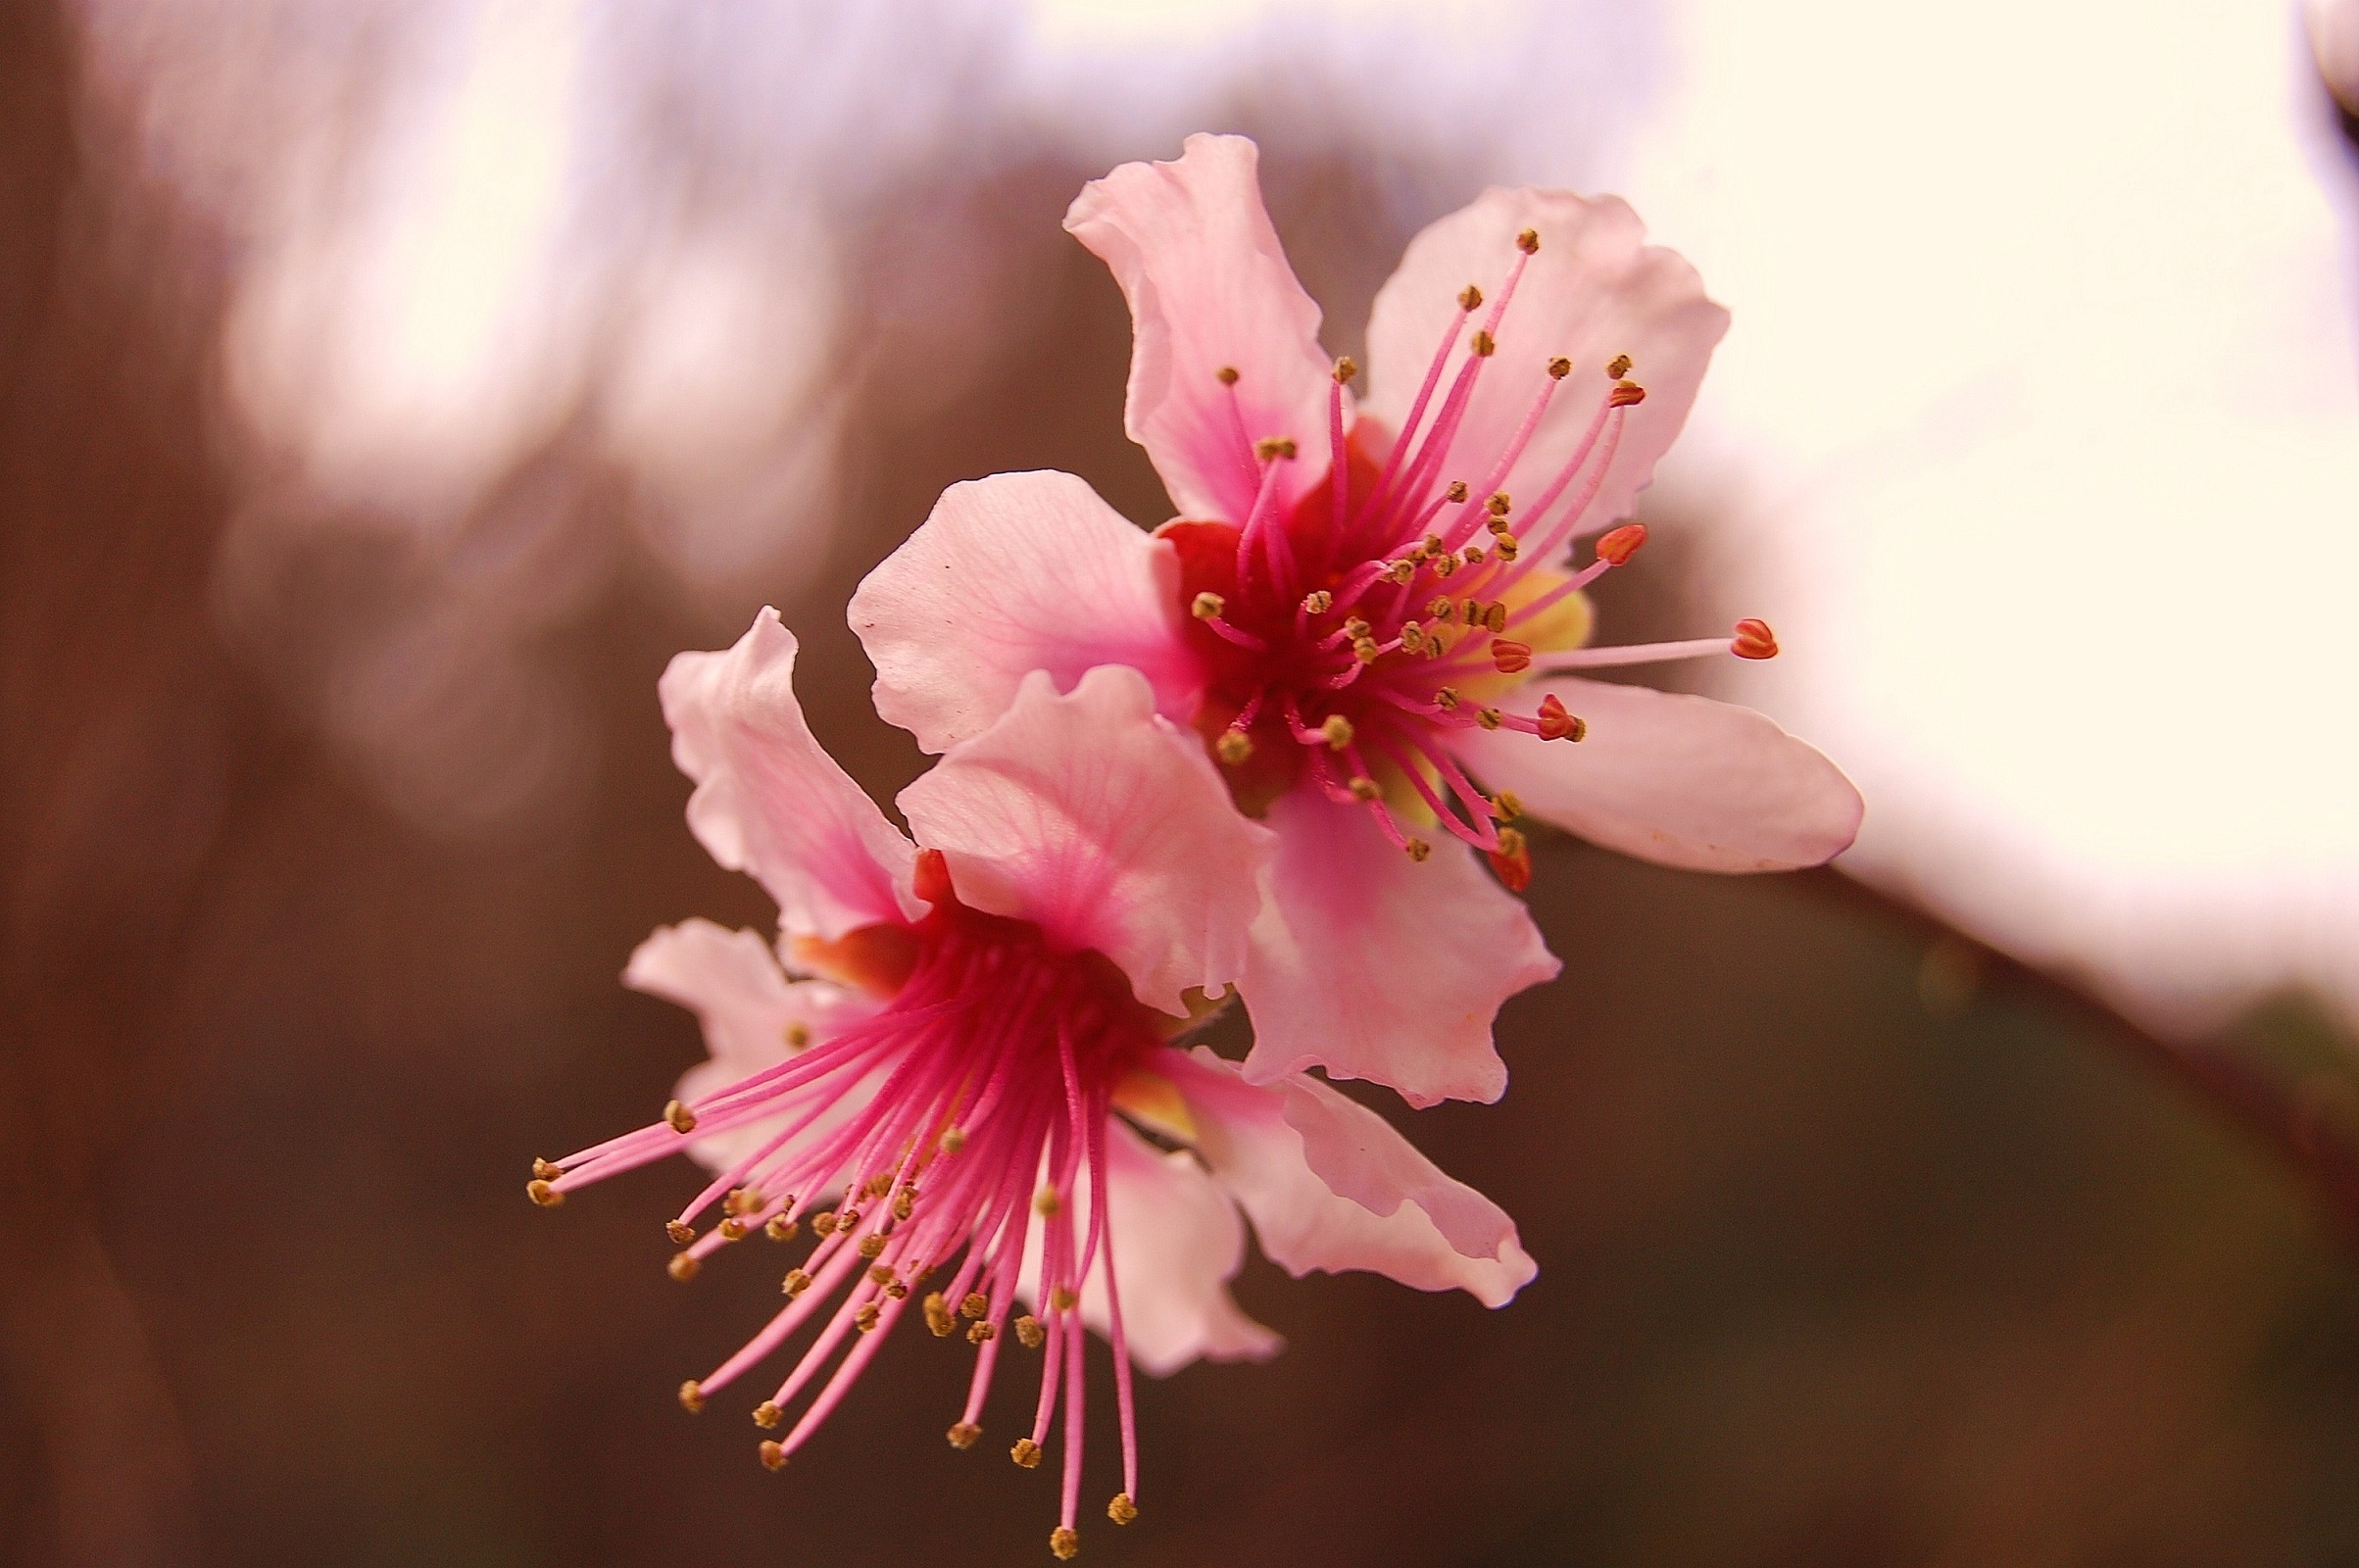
x=1858, y=1245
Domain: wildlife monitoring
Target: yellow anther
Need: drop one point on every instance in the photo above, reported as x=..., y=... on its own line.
x=1511, y=842
x=1498, y=528
x=1471, y=612
x=692, y=1398
x=683, y=1119
x=682, y=1267
x=1121, y=1510
x=975, y=1304
x=1495, y=619
x=541, y=1192
x=866, y=1317
x=798, y=1035
x=1456, y=491
x=1442, y=609
x=546, y=1171
x=1318, y=603
x=1029, y=1330
x=1413, y=637
x=773, y=1454
x=904, y=1202
x=1488, y=718
x=1227, y=375
x=1345, y=369
x=1207, y=606
x=1472, y=555
x=871, y=1244
x=880, y=1184
x=1528, y=241
x=980, y=1332
x=1507, y=548
x=963, y=1435
x=1559, y=368
x=882, y=1274
x=1338, y=732
x=1402, y=571
x=953, y=1141
x=1506, y=806
x=1445, y=698
x=846, y=1218
x=680, y=1232
x=765, y=1415
x=1355, y=628
x=1065, y=1545
x=1366, y=650
x=1483, y=345
x=1443, y=566
x=1430, y=544
x=823, y=1223
x=733, y=1229
x=780, y=1228
x=1499, y=506
x=1064, y=1299
x=1274, y=445
x=1026, y=1453
x=741, y=1201
x=1047, y=1202
x=897, y=1291
x=1418, y=849
x=1233, y=747
x=1363, y=788
x=1470, y=298
x=937, y=1315
x=795, y=1283
x=1619, y=368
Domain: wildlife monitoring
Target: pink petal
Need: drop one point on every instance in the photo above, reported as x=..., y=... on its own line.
x=1177, y=1243
x=1679, y=780
x=769, y=801
x=1329, y=1185
x=1090, y=816
x=1594, y=291
x=1209, y=289
x=1372, y=965
x=1014, y=573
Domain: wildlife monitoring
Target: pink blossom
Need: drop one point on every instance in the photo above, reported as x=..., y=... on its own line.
x=967, y=1044
x=1366, y=607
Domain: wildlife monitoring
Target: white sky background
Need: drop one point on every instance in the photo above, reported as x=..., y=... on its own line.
x=2038, y=431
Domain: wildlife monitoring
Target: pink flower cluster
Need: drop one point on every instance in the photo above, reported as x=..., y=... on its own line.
x=1274, y=750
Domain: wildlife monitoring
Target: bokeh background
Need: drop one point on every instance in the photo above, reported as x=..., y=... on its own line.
x=391, y=388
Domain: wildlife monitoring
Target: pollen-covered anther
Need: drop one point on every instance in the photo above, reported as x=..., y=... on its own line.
x=741, y=1201
x=691, y=1396
x=1488, y=718
x=780, y=1228
x=543, y=1170
x=1047, y=1202
x=683, y=1119
x=975, y=1304
x=904, y=1202
x=882, y=1274
x=733, y=1229
x=1445, y=698
x=1443, y=566
x=878, y=1185
x=1121, y=1510
x=1472, y=555
x=981, y=1333
x=1528, y=242
x=541, y=1192
x=795, y=1283
x=871, y=1244
x=680, y=1232
x=1484, y=344
x=823, y=1223
x=1412, y=638
x=1624, y=394
x=1029, y=1330
x=1064, y=1299
x=798, y=1035
x=1506, y=806
x=1456, y=491
x=1336, y=729
x=937, y=1316
x=1754, y=640
x=1559, y=368
x=1498, y=528
x=1226, y=374
x=846, y=1218
x=1345, y=369
x=1618, y=544
x=1064, y=1544
x=866, y=1317
x=682, y=1267
x=1495, y=616
x=953, y=1141
x=1417, y=849
x=773, y=1454
x=1470, y=298
x=1507, y=548
x=1499, y=504
x=1207, y=606
x=1274, y=445
x=1510, y=656
x=1233, y=747
x=1026, y=1453
x=1363, y=788
x=1318, y=603
x=963, y=1435
x=1402, y=571
x=766, y=1414
x=1442, y=609
x=1555, y=724
x=1619, y=367
x=1366, y=650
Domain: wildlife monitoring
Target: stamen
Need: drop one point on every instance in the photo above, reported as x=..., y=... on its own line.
x=1506, y=806
x=1418, y=849
x=1121, y=1510
x=1207, y=606
x=1064, y=1543
x=773, y=1454
x=766, y=1414
x=1337, y=731
x=937, y=1320
x=1318, y=603
x=683, y=1119
x=1619, y=367
x=1227, y=375
x=1029, y=1330
x=1026, y=1453
x=1233, y=747
x=963, y=1435
x=1484, y=345
x=1345, y=369
x=1363, y=788
x=1270, y=447
x=1559, y=368
x=682, y=1267
x=1470, y=298
x=546, y=1171
x=692, y=1398
x=541, y=1192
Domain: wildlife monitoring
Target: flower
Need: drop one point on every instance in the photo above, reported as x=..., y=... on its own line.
x=1368, y=605
x=983, y=1042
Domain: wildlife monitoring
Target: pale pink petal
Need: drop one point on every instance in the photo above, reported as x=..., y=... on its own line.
x=1676, y=779
x=1014, y=573
x=1177, y=1243
x=1594, y=291
x=750, y=1013
x=1373, y=965
x=1106, y=826
x=1329, y=1185
x=1209, y=289
x=769, y=801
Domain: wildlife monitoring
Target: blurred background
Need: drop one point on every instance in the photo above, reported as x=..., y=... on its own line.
x=392, y=387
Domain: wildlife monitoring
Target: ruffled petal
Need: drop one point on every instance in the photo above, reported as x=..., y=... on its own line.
x=750, y=1013
x=1675, y=779
x=1372, y=965
x=1106, y=826
x=769, y=801
x=1329, y=1185
x=1177, y=1243
x=1209, y=290
x=1014, y=573
x=1594, y=291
